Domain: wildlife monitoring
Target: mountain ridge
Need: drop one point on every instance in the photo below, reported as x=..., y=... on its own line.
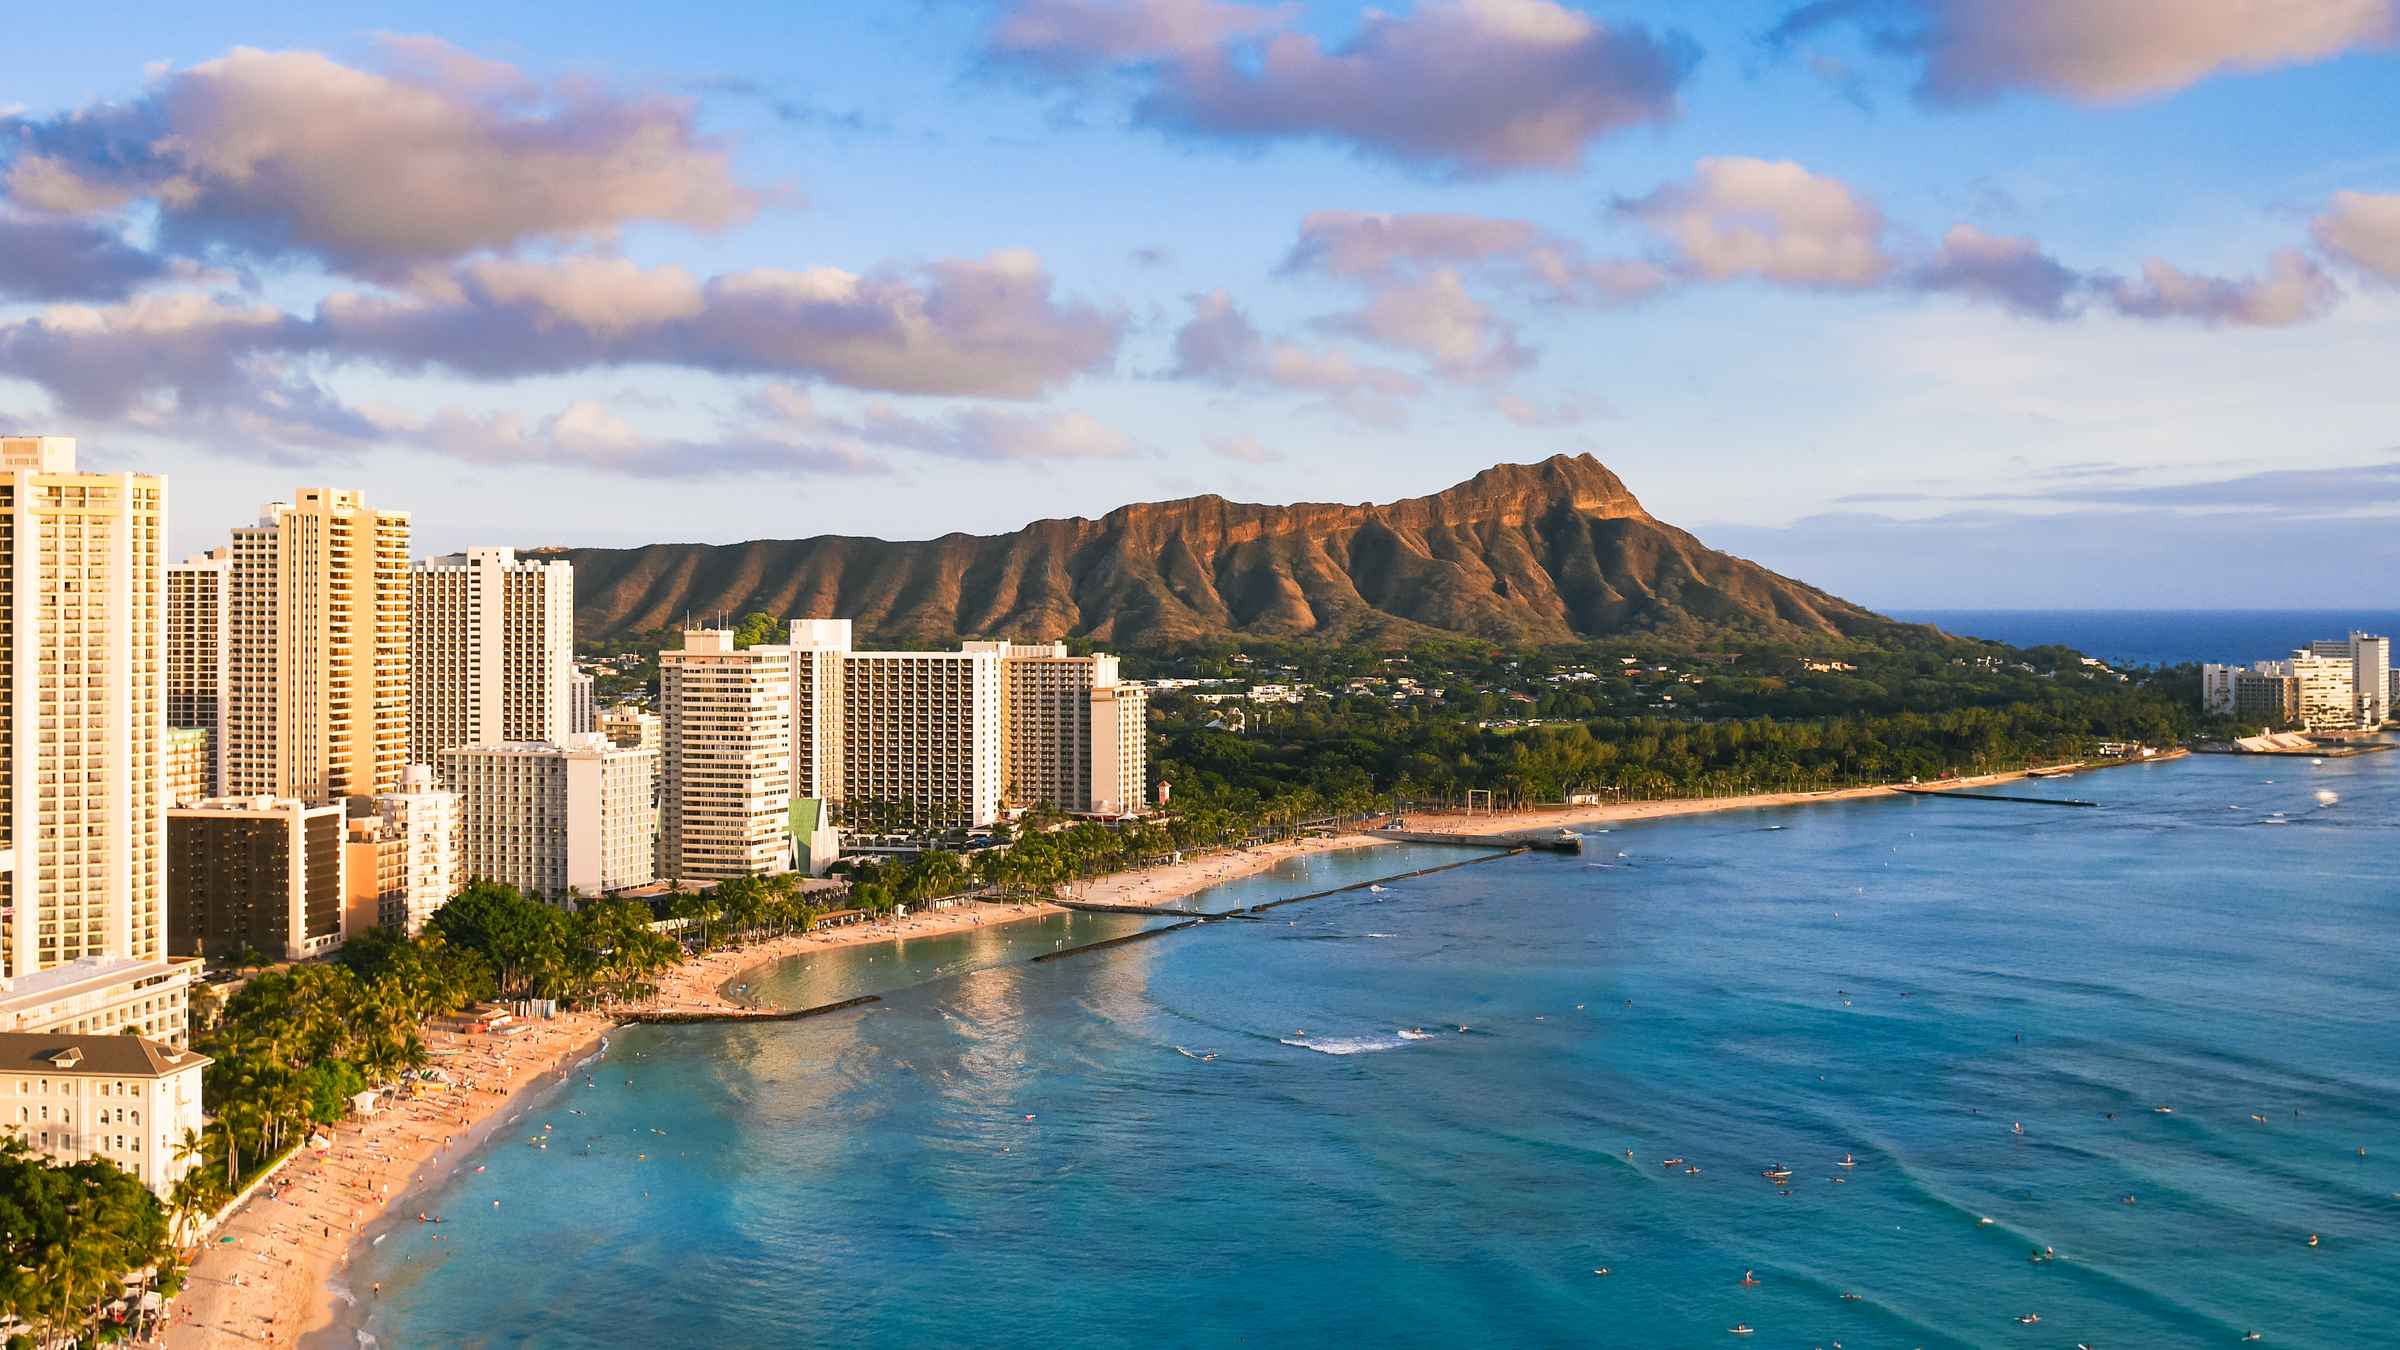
x=1554, y=551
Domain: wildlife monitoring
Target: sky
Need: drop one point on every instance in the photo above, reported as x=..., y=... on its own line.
x=2073, y=303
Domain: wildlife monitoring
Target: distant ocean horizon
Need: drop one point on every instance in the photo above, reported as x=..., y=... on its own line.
x=2159, y=637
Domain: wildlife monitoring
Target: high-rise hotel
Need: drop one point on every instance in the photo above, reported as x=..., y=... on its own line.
x=199, y=597
x=83, y=735
x=491, y=652
x=725, y=780
x=318, y=663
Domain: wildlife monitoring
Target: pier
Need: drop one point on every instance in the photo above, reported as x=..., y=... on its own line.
x=1996, y=797
x=1547, y=840
x=673, y=1018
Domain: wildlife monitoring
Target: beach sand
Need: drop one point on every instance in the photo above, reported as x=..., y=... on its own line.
x=284, y=1271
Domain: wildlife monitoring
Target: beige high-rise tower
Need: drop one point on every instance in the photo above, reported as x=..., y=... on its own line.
x=318, y=675
x=725, y=781
x=83, y=732
x=198, y=627
x=492, y=651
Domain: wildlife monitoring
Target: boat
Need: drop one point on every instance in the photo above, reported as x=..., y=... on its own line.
x=1739, y=1329
x=1777, y=1173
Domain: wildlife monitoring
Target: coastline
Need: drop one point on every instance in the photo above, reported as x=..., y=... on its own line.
x=289, y=1287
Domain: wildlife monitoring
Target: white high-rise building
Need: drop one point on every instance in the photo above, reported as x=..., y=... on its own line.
x=2328, y=696
x=83, y=743
x=317, y=678
x=492, y=651
x=725, y=786
x=427, y=825
x=819, y=647
x=921, y=741
x=553, y=818
x=2370, y=661
x=199, y=623
x=1120, y=739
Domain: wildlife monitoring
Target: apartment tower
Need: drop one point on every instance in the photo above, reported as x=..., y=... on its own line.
x=725, y=782
x=549, y=819
x=199, y=594
x=83, y=737
x=491, y=651
x=318, y=671
x=1073, y=734
x=819, y=647
x=921, y=744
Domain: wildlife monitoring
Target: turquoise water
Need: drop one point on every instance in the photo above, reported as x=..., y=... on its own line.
x=1901, y=980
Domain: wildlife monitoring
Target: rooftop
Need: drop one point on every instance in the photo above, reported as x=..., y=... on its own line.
x=92, y=1056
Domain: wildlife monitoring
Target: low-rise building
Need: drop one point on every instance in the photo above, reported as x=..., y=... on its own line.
x=423, y=826
x=127, y=1099
x=259, y=874
x=550, y=819
x=103, y=995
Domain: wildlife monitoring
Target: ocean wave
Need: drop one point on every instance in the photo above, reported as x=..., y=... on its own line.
x=1347, y=1045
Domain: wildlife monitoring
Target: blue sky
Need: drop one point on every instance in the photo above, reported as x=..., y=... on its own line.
x=1932, y=302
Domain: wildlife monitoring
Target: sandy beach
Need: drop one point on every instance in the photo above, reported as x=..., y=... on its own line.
x=282, y=1275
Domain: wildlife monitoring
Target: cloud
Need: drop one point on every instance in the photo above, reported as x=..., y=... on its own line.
x=1435, y=318
x=1771, y=219
x=781, y=411
x=2292, y=290
x=441, y=155
x=2338, y=490
x=1381, y=248
x=1219, y=345
x=1244, y=450
x=70, y=260
x=1524, y=412
x=2362, y=229
x=1459, y=86
x=1073, y=36
x=990, y=326
x=2098, y=51
x=2012, y=272
x=588, y=435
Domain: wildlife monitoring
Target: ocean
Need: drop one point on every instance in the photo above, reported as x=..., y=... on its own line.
x=1434, y=1112
x=2161, y=637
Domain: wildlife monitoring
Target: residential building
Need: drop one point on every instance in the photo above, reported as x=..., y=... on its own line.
x=2328, y=695
x=317, y=678
x=725, y=781
x=103, y=995
x=819, y=647
x=556, y=818
x=2370, y=661
x=199, y=597
x=187, y=763
x=491, y=651
x=127, y=1099
x=1120, y=741
x=424, y=824
x=257, y=874
x=582, y=717
x=921, y=745
x=1073, y=734
x=83, y=742
x=2256, y=697
x=373, y=868
x=635, y=727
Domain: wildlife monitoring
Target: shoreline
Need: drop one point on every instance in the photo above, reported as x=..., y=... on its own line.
x=296, y=1276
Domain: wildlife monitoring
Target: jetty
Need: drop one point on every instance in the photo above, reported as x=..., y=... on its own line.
x=671, y=1017
x=1956, y=795
x=1551, y=841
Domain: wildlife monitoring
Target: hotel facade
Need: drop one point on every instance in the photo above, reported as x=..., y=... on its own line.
x=83, y=741
x=725, y=780
x=554, y=818
x=491, y=651
x=318, y=671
